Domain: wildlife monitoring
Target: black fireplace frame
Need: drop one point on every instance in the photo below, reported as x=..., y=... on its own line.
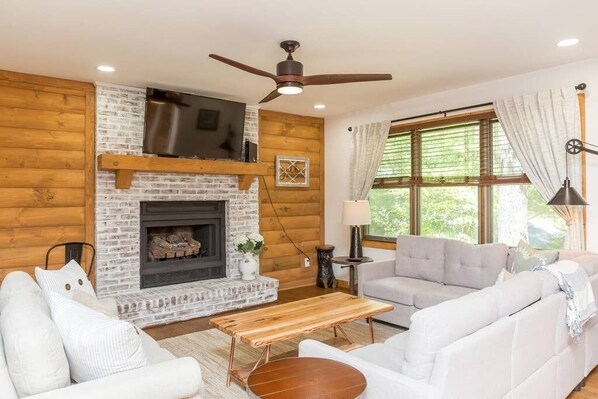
x=182, y=213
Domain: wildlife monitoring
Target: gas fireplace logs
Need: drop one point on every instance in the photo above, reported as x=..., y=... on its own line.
x=176, y=245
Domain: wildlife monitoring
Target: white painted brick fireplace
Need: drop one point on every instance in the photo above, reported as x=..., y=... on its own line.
x=119, y=129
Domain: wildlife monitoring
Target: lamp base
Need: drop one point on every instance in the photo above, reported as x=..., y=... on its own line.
x=355, y=251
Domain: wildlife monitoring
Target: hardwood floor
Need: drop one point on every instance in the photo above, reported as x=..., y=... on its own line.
x=589, y=391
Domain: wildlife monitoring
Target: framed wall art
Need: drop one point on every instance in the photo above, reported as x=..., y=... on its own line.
x=292, y=171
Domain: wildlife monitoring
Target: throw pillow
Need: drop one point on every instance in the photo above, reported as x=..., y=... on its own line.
x=526, y=257
x=93, y=303
x=65, y=282
x=95, y=345
x=503, y=276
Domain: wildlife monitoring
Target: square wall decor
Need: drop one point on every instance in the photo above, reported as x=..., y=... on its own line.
x=292, y=171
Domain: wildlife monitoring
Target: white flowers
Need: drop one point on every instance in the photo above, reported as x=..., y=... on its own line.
x=256, y=237
x=252, y=242
x=241, y=239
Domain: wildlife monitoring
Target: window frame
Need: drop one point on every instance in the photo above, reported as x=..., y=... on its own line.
x=414, y=184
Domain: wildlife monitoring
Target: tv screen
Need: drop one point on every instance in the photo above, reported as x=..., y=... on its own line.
x=186, y=125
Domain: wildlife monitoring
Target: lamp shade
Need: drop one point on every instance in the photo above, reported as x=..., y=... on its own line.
x=567, y=195
x=356, y=213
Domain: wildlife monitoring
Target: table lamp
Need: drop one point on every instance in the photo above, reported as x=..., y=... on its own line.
x=355, y=214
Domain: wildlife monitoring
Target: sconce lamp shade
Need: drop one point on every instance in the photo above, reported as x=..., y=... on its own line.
x=567, y=195
x=356, y=213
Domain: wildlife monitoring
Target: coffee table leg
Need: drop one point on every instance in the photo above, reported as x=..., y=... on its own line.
x=231, y=360
x=371, y=323
x=344, y=334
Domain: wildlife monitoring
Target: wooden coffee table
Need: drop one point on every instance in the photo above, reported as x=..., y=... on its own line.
x=304, y=378
x=263, y=327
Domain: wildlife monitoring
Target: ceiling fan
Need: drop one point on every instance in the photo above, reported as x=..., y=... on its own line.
x=289, y=74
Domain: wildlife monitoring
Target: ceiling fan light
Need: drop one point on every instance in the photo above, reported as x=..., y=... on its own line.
x=290, y=88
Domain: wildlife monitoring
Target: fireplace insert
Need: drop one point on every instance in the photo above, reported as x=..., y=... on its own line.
x=182, y=241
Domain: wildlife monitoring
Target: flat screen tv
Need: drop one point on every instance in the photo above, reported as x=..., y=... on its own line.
x=187, y=125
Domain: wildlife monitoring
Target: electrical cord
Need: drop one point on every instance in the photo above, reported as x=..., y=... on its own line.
x=278, y=219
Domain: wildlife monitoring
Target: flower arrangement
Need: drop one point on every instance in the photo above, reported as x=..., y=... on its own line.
x=252, y=242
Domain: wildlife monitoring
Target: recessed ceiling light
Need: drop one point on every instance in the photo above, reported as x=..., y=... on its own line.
x=320, y=106
x=568, y=42
x=105, y=68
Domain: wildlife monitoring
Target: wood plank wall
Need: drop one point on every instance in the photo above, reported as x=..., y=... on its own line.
x=46, y=168
x=301, y=210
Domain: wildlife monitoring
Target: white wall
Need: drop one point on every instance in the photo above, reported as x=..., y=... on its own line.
x=339, y=145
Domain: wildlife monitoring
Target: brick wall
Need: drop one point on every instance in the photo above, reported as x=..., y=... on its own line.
x=120, y=119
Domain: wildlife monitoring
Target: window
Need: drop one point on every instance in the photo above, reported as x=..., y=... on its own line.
x=458, y=180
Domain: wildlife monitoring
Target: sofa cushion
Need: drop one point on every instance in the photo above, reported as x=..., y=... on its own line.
x=420, y=258
x=589, y=262
x=382, y=355
x=435, y=327
x=20, y=286
x=434, y=296
x=397, y=289
x=398, y=341
x=96, y=345
x=94, y=303
x=65, y=282
x=473, y=266
x=7, y=389
x=517, y=293
x=526, y=257
x=34, y=353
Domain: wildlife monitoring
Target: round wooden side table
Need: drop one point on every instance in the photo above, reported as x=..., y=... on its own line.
x=305, y=378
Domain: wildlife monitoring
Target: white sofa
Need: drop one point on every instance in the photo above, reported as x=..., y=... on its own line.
x=429, y=270
x=506, y=341
x=31, y=352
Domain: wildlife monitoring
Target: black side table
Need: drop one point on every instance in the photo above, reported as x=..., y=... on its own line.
x=345, y=262
x=325, y=277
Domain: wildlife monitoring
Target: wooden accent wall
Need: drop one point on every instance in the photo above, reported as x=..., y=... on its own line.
x=301, y=210
x=46, y=168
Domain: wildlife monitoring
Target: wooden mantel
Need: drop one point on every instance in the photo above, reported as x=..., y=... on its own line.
x=126, y=165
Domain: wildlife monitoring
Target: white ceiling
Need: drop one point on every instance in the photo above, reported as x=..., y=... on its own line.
x=427, y=46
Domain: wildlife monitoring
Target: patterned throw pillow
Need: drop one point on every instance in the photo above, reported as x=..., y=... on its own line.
x=65, y=282
x=526, y=257
x=96, y=346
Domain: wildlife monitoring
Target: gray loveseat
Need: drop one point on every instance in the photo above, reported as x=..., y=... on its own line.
x=428, y=271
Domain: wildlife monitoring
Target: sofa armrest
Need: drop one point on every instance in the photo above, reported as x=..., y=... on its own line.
x=374, y=271
x=381, y=382
x=174, y=379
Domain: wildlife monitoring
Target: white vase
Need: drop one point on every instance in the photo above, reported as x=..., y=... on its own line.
x=248, y=267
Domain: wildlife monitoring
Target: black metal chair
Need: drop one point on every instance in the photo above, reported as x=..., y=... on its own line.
x=74, y=250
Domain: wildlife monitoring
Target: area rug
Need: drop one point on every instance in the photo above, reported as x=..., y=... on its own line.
x=211, y=349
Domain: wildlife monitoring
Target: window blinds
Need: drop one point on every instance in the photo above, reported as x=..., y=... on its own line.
x=460, y=154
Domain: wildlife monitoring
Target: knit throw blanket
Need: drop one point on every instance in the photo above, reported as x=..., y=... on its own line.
x=574, y=282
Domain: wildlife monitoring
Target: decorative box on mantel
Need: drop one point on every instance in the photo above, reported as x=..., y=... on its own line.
x=167, y=304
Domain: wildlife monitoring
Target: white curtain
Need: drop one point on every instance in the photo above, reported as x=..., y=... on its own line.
x=537, y=127
x=368, y=147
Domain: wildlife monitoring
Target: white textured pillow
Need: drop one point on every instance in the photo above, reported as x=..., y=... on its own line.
x=33, y=349
x=68, y=279
x=96, y=346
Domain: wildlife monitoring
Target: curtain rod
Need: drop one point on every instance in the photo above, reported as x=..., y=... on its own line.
x=581, y=86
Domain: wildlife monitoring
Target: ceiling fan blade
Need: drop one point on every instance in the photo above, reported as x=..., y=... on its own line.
x=244, y=67
x=344, y=78
x=274, y=94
